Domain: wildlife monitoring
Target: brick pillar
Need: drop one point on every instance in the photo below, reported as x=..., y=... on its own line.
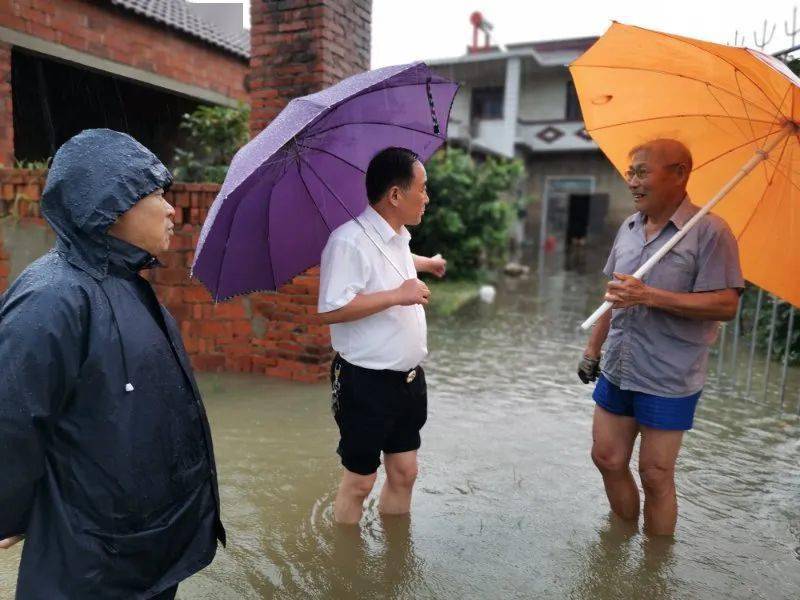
x=6, y=111
x=5, y=265
x=299, y=47
x=302, y=46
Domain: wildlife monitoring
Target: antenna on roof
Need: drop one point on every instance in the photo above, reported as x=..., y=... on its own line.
x=764, y=39
x=479, y=23
x=794, y=30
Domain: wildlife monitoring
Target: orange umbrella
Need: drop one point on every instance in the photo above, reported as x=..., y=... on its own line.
x=736, y=109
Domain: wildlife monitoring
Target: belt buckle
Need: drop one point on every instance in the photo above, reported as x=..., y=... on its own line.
x=412, y=375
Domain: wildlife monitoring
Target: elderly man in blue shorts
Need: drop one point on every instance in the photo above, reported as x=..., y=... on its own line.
x=658, y=333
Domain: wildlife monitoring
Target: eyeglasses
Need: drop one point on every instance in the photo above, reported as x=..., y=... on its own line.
x=642, y=173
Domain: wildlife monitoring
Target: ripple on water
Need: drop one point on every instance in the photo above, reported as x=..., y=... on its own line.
x=508, y=504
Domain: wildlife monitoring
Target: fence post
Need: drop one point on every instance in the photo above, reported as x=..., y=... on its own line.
x=753, y=343
x=737, y=327
x=772, y=321
x=785, y=370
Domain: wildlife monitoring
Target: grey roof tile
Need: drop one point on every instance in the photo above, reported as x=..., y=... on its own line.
x=176, y=14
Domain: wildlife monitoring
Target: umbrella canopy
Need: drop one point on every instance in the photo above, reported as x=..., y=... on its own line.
x=303, y=176
x=726, y=105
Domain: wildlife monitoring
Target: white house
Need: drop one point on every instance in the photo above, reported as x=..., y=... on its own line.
x=520, y=102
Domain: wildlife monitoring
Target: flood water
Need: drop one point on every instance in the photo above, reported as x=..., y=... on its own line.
x=508, y=503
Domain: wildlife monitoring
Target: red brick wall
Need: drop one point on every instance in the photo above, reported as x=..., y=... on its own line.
x=116, y=34
x=276, y=334
x=6, y=114
x=5, y=265
x=302, y=46
x=272, y=333
x=299, y=47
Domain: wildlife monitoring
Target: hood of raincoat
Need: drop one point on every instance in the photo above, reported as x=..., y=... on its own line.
x=95, y=177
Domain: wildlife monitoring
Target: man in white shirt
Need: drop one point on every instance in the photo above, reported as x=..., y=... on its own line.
x=371, y=297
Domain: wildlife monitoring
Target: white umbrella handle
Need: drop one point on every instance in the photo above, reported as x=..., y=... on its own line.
x=760, y=155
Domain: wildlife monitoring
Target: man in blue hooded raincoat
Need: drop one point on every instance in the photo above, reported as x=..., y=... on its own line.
x=106, y=462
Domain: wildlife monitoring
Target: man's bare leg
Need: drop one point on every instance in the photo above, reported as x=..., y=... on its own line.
x=657, y=456
x=349, y=503
x=401, y=473
x=613, y=438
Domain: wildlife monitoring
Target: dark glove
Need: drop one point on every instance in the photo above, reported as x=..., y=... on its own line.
x=589, y=369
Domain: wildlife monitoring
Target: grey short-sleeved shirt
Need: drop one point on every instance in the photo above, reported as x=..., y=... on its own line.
x=649, y=350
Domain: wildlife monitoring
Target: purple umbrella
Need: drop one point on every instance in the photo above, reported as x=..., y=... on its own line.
x=303, y=176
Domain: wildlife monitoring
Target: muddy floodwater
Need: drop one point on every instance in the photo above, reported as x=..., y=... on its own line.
x=508, y=503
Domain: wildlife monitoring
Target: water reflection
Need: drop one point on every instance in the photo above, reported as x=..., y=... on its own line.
x=621, y=563
x=508, y=503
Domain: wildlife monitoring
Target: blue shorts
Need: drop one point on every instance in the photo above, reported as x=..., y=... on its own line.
x=657, y=412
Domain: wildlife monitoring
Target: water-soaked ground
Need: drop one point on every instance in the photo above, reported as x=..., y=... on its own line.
x=508, y=504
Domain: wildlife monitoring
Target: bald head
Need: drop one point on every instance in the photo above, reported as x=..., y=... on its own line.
x=658, y=175
x=664, y=152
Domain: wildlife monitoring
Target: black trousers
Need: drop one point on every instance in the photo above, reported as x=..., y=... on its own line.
x=168, y=594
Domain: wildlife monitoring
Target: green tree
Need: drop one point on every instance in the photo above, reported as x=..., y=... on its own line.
x=468, y=219
x=215, y=133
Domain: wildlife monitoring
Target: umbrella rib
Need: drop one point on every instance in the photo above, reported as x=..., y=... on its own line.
x=355, y=218
x=269, y=221
x=369, y=91
x=347, y=162
x=788, y=170
x=660, y=72
x=313, y=201
x=752, y=131
x=709, y=88
x=230, y=227
x=316, y=133
x=741, y=96
x=722, y=58
x=729, y=150
x=677, y=117
x=764, y=193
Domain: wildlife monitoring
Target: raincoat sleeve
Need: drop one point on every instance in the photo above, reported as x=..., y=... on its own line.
x=40, y=353
x=344, y=272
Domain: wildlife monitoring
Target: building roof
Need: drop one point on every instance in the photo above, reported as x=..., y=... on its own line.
x=582, y=43
x=178, y=15
x=546, y=54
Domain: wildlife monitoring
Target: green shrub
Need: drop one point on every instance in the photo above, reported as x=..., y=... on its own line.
x=467, y=220
x=215, y=133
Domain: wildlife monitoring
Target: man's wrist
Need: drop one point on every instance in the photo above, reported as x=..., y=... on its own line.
x=650, y=297
x=393, y=297
x=425, y=263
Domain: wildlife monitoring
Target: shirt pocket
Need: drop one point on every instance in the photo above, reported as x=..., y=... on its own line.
x=627, y=259
x=675, y=272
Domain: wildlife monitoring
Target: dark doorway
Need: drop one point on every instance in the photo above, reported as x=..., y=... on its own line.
x=578, y=219
x=586, y=217
x=53, y=101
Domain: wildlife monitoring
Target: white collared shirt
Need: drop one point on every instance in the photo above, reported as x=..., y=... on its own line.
x=395, y=338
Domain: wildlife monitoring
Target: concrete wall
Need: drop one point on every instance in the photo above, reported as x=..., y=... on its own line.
x=543, y=97
x=607, y=180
